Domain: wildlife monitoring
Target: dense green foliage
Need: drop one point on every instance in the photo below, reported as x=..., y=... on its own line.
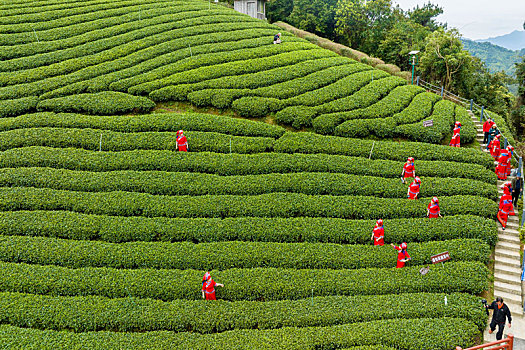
x=71, y=225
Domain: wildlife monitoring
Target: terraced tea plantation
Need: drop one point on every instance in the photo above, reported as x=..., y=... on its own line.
x=107, y=230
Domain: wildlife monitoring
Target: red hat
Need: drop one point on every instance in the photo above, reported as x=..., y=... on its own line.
x=417, y=179
x=410, y=159
x=179, y=132
x=458, y=123
x=206, y=276
x=403, y=245
x=510, y=148
x=435, y=199
x=498, y=136
x=379, y=222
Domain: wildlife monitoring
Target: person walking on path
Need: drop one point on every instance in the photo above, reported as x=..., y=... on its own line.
x=505, y=206
x=494, y=147
x=510, y=149
x=408, y=170
x=182, y=142
x=208, y=287
x=499, y=316
x=486, y=129
x=433, y=210
x=517, y=189
x=378, y=233
x=455, y=140
x=492, y=134
x=503, y=162
x=402, y=254
x=413, y=189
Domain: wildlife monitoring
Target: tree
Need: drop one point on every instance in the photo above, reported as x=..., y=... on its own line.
x=424, y=16
x=278, y=10
x=316, y=16
x=517, y=116
x=444, y=58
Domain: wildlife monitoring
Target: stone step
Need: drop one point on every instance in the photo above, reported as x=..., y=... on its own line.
x=502, y=261
x=514, y=270
x=507, y=254
x=507, y=246
x=512, y=279
x=507, y=288
x=512, y=231
x=508, y=238
x=508, y=297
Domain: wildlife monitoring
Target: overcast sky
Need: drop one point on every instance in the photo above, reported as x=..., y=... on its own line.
x=477, y=19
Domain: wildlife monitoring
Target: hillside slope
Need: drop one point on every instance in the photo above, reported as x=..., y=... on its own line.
x=107, y=230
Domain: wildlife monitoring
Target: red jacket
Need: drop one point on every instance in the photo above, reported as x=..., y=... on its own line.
x=379, y=235
x=434, y=210
x=401, y=255
x=408, y=169
x=413, y=190
x=182, y=143
x=487, y=125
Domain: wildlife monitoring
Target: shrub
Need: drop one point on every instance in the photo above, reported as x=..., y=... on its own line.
x=424, y=334
x=297, y=116
x=255, y=107
x=233, y=164
x=221, y=206
x=11, y=108
x=225, y=255
x=266, y=283
x=64, y=224
x=89, y=313
x=108, y=102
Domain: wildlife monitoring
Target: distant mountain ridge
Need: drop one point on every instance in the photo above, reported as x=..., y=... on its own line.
x=512, y=41
x=496, y=58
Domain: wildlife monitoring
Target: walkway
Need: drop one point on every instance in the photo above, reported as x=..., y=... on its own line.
x=507, y=267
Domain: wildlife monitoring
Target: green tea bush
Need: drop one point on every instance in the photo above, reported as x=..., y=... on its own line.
x=196, y=184
x=312, y=143
x=468, y=129
x=108, y=102
x=422, y=334
x=90, y=313
x=65, y=224
x=265, y=283
x=91, y=139
x=255, y=107
x=233, y=164
x=160, y=122
x=10, y=108
x=296, y=116
x=221, y=206
x=224, y=255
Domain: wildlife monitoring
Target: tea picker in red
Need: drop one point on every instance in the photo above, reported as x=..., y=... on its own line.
x=510, y=149
x=378, y=234
x=495, y=147
x=505, y=205
x=408, y=170
x=402, y=254
x=413, y=189
x=208, y=287
x=455, y=141
x=503, y=161
x=182, y=142
x=433, y=210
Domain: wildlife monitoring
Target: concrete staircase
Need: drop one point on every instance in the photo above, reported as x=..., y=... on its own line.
x=507, y=267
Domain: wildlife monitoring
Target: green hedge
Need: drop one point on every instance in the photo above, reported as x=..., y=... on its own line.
x=232, y=164
x=108, y=102
x=92, y=139
x=261, y=284
x=442, y=118
x=159, y=57
x=414, y=334
x=298, y=52
x=151, y=122
x=312, y=143
x=221, y=206
x=65, y=224
x=195, y=184
x=273, y=80
x=108, y=61
x=10, y=108
x=468, y=129
x=100, y=51
x=88, y=313
x=383, y=121
x=224, y=255
x=255, y=107
x=108, y=23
